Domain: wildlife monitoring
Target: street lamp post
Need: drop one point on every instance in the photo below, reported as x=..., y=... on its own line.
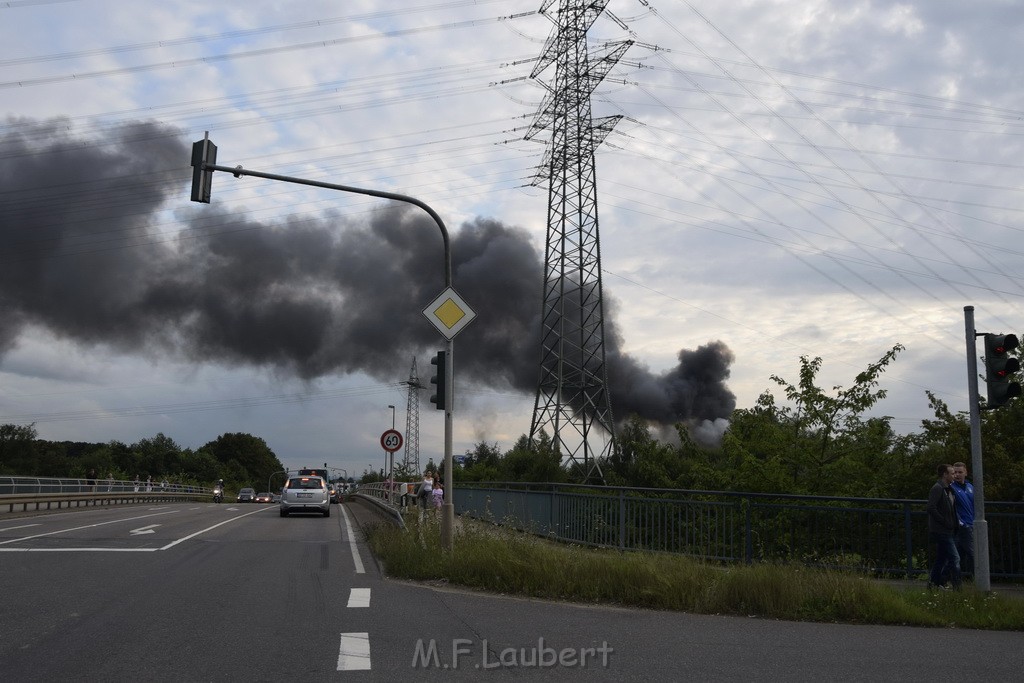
x=391, y=457
x=204, y=154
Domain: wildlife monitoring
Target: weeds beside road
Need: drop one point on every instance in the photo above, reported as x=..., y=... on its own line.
x=496, y=559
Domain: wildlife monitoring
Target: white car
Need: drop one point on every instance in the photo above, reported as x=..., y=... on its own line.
x=305, y=494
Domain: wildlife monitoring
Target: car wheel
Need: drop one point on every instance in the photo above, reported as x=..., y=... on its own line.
x=284, y=513
x=327, y=511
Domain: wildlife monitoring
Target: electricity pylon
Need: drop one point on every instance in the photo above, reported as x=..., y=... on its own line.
x=573, y=404
x=411, y=461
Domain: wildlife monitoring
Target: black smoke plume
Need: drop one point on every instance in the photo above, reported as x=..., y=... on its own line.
x=92, y=255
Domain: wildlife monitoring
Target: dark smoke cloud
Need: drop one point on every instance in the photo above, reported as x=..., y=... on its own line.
x=309, y=296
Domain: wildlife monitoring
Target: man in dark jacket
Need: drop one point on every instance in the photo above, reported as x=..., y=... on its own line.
x=942, y=526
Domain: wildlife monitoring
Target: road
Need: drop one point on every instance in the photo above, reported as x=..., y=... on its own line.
x=204, y=592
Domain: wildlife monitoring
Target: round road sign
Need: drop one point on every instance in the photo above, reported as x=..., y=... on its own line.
x=391, y=440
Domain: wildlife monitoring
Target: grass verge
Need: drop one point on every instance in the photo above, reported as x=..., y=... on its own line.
x=504, y=561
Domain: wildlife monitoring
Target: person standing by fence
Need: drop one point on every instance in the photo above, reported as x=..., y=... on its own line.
x=964, y=494
x=942, y=526
x=426, y=486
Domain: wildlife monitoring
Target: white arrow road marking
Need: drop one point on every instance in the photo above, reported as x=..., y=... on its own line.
x=144, y=530
x=87, y=526
x=354, y=654
x=359, y=597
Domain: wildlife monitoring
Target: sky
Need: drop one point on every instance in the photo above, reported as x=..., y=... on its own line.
x=788, y=178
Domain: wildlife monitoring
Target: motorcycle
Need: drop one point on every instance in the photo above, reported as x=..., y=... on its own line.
x=218, y=495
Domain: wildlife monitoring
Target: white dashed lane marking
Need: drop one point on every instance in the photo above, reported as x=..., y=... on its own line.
x=354, y=654
x=359, y=597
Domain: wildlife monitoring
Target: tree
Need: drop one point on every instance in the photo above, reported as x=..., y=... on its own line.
x=254, y=462
x=17, y=449
x=641, y=459
x=536, y=462
x=158, y=456
x=822, y=439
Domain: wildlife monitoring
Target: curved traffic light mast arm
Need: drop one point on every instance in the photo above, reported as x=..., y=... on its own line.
x=238, y=171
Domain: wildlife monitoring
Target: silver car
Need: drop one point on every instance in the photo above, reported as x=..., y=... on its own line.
x=305, y=494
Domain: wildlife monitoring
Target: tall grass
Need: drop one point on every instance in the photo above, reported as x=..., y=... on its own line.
x=497, y=559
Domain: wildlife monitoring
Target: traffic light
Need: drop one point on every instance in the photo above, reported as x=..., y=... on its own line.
x=203, y=152
x=998, y=368
x=439, y=379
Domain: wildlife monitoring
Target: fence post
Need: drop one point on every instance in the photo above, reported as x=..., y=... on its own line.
x=552, y=515
x=748, y=530
x=622, y=519
x=909, y=543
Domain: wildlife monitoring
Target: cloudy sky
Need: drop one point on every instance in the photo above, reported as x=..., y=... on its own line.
x=813, y=177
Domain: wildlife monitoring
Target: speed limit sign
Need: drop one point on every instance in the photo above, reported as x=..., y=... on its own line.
x=391, y=440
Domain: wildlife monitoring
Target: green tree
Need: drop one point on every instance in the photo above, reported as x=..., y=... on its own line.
x=18, y=453
x=158, y=456
x=536, y=462
x=641, y=459
x=828, y=432
x=245, y=460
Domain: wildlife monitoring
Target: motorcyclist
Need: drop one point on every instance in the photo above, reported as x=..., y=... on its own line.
x=218, y=490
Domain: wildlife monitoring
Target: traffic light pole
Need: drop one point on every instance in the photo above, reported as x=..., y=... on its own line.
x=982, y=581
x=201, y=193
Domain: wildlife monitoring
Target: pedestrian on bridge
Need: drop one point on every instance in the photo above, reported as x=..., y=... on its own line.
x=942, y=526
x=963, y=491
x=426, y=486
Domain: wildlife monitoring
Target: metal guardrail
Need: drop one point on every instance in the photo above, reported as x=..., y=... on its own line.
x=24, y=493
x=884, y=536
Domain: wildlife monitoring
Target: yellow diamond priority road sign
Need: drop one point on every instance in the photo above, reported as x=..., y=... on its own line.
x=449, y=313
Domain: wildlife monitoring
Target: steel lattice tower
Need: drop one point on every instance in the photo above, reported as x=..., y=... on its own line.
x=411, y=462
x=573, y=404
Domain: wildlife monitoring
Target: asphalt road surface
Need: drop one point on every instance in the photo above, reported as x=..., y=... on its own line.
x=204, y=592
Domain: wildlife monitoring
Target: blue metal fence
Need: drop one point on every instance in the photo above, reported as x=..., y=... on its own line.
x=885, y=536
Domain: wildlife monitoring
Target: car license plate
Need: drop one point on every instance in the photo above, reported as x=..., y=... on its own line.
x=303, y=495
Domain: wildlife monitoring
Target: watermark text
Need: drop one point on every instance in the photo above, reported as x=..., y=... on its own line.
x=465, y=653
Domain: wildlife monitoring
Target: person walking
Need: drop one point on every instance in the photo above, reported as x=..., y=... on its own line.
x=963, y=492
x=942, y=526
x=426, y=487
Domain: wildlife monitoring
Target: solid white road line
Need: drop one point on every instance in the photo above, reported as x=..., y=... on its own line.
x=211, y=528
x=359, y=597
x=354, y=653
x=352, y=543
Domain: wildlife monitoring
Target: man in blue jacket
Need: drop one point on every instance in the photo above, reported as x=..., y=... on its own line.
x=942, y=526
x=964, y=536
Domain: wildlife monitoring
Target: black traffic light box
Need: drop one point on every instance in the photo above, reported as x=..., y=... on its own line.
x=999, y=367
x=203, y=152
x=439, y=379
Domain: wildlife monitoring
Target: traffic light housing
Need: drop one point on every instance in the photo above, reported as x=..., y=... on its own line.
x=999, y=367
x=439, y=379
x=203, y=152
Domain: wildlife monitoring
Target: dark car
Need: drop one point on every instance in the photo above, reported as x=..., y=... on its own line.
x=247, y=495
x=264, y=497
x=335, y=490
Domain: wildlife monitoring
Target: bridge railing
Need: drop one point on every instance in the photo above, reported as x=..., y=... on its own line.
x=38, y=493
x=884, y=536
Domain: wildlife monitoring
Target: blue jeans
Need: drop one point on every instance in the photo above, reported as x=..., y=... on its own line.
x=946, y=558
x=965, y=547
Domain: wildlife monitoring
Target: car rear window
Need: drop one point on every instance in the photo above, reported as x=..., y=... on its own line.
x=306, y=483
